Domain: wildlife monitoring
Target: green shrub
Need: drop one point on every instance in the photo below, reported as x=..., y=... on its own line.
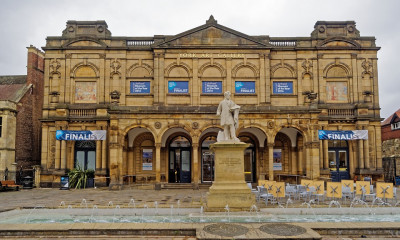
x=79, y=177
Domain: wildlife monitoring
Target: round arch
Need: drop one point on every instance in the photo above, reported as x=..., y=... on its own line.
x=173, y=132
x=257, y=133
x=341, y=65
x=83, y=64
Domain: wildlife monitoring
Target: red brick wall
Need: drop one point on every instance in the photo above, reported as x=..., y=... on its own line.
x=28, y=132
x=388, y=133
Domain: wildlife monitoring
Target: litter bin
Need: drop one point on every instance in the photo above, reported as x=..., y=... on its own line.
x=27, y=183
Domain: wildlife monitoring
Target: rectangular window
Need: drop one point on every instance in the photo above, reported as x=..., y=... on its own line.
x=282, y=87
x=178, y=87
x=248, y=87
x=394, y=126
x=209, y=87
x=140, y=87
x=1, y=125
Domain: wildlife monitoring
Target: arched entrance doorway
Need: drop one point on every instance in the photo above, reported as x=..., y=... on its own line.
x=249, y=159
x=179, y=170
x=85, y=155
x=207, y=159
x=338, y=156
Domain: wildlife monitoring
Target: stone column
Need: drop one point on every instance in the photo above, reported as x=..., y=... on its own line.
x=195, y=148
x=131, y=165
x=115, y=153
x=262, y=80
x=271, y=161
x=301, y=163
x=98, y=155
x=57, y=162
x=63, y=154
x=124, y=161
x=195, y=84
x=360, y=154
x=156, y=79
x=378, y=147
x=308, y=160
x=321, y=153
x=351, y=159
x=314, y=160
x=268, y=78
x=294, y=161
x=45, y=143
x=229, y=79
x=366, y=154
x=103, y=156
x=37, y=175
x=158, y=162
x=161, y=81
x=326, y=154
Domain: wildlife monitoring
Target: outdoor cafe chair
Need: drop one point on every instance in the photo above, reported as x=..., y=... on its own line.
x=290, y=191
x=263, y=194
x=303, y=193
x=347, y=193
x=253, y=190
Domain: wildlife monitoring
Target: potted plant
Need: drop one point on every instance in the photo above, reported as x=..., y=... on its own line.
x=80, y=178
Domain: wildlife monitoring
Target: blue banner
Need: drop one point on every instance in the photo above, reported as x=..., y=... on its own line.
x=81, y=135
x=245, y=87
x=140, y=87
x=212, y=87
x=282, y=88
x=342, y=135
x=178, y=87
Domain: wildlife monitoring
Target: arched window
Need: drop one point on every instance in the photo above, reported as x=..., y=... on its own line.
x=337, y=85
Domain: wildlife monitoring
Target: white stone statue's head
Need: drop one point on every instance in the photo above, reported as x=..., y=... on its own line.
x=227, y=95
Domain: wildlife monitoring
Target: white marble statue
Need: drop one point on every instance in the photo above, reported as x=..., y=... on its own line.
x=229, y=113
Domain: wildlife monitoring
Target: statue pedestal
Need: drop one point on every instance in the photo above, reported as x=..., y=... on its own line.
x=229, y=187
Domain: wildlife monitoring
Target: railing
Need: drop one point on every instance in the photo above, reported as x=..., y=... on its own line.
x=341, y=112
x=139, y=42
x=82, y=112
x=279, y=43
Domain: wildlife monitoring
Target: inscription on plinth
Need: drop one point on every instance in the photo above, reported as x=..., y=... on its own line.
x=229, y=187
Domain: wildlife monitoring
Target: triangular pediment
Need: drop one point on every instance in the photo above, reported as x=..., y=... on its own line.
x=211, y=34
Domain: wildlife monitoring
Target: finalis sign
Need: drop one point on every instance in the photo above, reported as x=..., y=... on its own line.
x=343, y=135
x=81, y=135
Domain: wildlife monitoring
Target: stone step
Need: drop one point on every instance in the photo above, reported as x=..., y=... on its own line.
x=184, y=186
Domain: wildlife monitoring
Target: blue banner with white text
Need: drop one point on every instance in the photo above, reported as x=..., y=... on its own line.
x=282, y=87
x=212, y=87
x=343, y=135
x=245, y=87
x=178, y=87
x=81, y=135
x=140, y=87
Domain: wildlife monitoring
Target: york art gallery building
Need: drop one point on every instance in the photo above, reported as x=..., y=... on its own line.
x=146, y=106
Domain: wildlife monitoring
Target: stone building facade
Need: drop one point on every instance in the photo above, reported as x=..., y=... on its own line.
x=21, y=98
x=156, y=98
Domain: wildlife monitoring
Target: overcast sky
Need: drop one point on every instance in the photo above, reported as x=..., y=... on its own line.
x=26, y=22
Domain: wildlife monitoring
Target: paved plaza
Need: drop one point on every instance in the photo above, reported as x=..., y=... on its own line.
x=165, y=198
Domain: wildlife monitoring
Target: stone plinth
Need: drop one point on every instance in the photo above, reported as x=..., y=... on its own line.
x=229, y=187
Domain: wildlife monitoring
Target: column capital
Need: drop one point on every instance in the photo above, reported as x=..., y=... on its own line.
x=270, y=145
x=195, y=145
x=158, y=145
